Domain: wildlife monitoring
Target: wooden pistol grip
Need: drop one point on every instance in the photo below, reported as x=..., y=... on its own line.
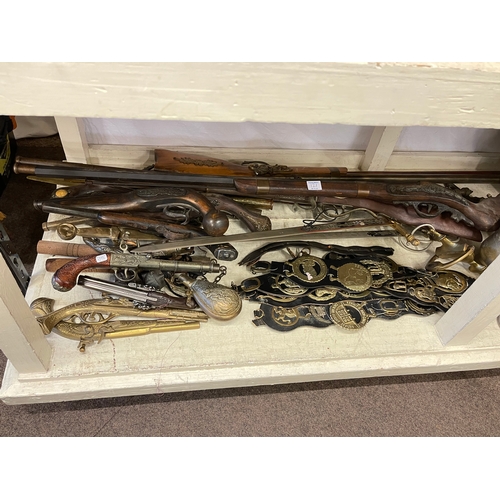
x=64, y=279
x=52, y=265
x=214, y=222
x=253, y=220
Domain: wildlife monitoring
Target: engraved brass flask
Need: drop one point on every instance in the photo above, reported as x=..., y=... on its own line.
x=217, y=301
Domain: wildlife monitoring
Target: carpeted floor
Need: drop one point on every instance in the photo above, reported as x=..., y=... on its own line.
x=452, y=404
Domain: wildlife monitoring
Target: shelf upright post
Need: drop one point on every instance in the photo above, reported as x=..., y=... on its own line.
x=21, y=338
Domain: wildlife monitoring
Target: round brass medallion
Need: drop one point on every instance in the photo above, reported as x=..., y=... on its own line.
x=309, y=269
x=354, y=277
x=348, y=315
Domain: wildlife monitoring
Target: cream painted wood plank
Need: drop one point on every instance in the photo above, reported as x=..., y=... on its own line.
x=373, y=94
x=21, y=339
x=474, y=311
x=380, y=148
x=142, y=156
x=443, y=161
x=16, y=391
x=237, y=353
x=72, y=134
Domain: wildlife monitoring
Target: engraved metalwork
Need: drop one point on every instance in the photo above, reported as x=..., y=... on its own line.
x=217, y=301
x=285, y=316
x=67, y=231
x=92, y=320
x=108, y=306
x=354, y=277
x=450, y=281
x=90, y=332
x=378, y=268
x=349, y=315
x=287, y=286
x=308, y=268
x=431, y=189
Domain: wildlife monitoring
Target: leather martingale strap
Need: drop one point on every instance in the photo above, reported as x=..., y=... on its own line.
x=346, y=290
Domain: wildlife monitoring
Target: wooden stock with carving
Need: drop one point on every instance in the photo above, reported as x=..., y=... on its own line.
x=442, y=223
x=187, y=163
x=214, y=222
x=168, y=230
x=428, y=199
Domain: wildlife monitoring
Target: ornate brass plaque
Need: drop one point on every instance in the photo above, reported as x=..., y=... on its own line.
x=308, y=268
x=354, y=277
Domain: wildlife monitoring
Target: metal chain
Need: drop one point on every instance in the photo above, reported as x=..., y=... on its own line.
x=223, y=272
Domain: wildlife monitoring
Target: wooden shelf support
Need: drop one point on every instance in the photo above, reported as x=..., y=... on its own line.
x=477, y=308
x=74, y=141
x=22, y=339
x=380, y=148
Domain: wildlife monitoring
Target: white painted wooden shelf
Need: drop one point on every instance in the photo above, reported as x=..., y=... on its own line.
x=236, y=353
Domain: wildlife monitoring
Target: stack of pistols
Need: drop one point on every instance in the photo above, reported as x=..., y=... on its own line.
x=165, y=235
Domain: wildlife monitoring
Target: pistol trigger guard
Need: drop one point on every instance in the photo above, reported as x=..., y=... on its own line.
x=433, y=210
x=125, y=275
x=188, y=212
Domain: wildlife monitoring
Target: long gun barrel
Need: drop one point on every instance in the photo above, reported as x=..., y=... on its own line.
x=190, y=177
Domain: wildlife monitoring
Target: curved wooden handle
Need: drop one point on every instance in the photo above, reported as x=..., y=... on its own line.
x=215, y=223
x=52, y=265
x=254, y=221
x=64, y=279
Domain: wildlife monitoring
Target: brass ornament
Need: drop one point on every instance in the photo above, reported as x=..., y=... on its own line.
x=217, y=301
x=349, y=314
x=250, y=284
x=285, y=316
x=93, y=320
x=308, y=268
x=354, y=277
x=378, y=268
x=287, y=286
x=450, y=281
